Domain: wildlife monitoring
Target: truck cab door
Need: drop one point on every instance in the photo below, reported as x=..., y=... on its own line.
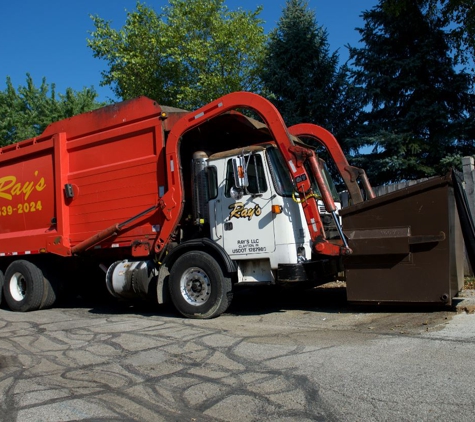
x=244, y=223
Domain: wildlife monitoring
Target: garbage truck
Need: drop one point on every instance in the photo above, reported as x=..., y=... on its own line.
x=156, y=203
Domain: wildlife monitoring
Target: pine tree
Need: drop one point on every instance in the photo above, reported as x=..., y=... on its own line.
x=460, y=18
x=417, y=123
x=302, y=77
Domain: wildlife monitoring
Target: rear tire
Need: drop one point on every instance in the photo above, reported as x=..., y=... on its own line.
x=51, y=285
x=198, y=287
x=26, y=289
x=2, y=281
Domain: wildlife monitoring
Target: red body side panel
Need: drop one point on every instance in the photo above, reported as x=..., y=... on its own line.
x=27, y=200
x=114, y=161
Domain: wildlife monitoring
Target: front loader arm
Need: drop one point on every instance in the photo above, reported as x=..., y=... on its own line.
x=349, y=173
x=295, y=156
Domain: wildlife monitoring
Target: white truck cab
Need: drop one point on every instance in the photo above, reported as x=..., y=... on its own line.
x=260, y=224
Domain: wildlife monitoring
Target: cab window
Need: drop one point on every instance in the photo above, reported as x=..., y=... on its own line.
x=255, y=175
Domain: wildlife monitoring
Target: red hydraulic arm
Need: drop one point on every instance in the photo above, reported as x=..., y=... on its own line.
x=349, y=173
x=295, y=156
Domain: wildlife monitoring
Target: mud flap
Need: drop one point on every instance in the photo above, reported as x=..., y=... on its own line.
x=466, y=219
x=407, y=246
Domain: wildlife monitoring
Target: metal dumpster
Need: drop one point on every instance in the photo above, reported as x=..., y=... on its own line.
x=407, y=246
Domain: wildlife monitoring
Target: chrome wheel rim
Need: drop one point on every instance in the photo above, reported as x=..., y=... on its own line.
x=18, y=287
x=195, y=286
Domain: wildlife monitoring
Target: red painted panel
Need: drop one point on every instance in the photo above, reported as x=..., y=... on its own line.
x=114, y=160
x=111, y=147
x=27, y=194
x=115, y=177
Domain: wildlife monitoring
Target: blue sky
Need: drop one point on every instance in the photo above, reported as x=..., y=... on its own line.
x=47, y=38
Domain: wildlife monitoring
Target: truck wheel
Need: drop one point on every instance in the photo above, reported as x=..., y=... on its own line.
x=23, y=287
x=51, y=286
x=2, y=280
x=198, y=288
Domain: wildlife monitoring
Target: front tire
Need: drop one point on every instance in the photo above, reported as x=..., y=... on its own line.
x=198, y=287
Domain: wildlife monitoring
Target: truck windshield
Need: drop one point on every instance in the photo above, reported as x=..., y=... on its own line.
x=280, y=174
x=282, y=181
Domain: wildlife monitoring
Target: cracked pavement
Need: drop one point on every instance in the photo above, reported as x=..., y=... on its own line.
x=272, y=356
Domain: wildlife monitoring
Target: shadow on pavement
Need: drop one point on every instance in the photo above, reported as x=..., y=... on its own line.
x=258, y=300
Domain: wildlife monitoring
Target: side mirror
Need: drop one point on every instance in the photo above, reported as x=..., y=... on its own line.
x=236, y=193
x=240, y=172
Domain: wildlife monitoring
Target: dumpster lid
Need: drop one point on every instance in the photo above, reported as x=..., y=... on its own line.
x=431, y=183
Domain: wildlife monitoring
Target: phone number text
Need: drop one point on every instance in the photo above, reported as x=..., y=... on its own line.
x=21, y=208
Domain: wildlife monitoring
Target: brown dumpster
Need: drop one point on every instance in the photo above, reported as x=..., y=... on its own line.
x=407, y=246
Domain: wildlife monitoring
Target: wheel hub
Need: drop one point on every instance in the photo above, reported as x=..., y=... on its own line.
x=18, y=287
x=195, y=286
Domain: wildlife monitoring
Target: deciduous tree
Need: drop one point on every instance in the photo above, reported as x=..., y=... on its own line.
x=25, y=112
x=189, y=54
